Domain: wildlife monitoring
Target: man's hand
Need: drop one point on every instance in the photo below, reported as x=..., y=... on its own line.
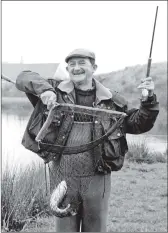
x=48, y=98
x=147, y=84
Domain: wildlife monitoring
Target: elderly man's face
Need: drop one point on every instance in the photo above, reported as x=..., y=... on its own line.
x=80, y=69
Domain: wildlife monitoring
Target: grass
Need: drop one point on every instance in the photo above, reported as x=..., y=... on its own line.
x=138, y=201
x=22, y=196
x=139, y=152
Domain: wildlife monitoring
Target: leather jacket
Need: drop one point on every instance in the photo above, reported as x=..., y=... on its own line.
x=109, y=156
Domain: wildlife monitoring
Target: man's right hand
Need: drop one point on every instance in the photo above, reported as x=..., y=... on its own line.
x=48, y=98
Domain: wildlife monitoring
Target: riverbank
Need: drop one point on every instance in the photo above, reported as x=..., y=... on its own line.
x=24, y=189
x=138, y=201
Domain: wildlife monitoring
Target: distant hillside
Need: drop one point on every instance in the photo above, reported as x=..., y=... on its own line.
x=124, y=81
x=120, y=80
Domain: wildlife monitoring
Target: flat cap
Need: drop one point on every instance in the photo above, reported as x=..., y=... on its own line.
x=80, y=53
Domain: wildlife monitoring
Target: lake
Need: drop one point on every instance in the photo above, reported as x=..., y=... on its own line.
x=13, y=126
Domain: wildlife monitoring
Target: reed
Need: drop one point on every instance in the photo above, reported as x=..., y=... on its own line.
x=23, y=196
x=140, y=153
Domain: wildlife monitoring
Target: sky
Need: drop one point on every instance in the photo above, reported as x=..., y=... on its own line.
x=119, y=32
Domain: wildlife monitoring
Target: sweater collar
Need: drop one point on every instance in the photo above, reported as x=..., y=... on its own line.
x=102, y=92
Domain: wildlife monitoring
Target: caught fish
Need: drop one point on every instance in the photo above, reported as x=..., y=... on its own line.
x=56, y=198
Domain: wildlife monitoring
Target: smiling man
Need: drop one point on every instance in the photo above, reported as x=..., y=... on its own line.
x=81, y=66
x=87, y=174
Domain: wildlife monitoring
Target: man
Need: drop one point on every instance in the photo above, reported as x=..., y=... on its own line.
x=87, y=174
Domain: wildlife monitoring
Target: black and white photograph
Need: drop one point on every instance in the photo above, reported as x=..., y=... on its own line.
x=84, y=116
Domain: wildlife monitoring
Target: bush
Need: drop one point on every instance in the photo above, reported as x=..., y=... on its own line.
x=22, y=196
x=140, y=153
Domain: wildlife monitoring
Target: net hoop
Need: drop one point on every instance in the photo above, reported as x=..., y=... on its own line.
x=80, y=148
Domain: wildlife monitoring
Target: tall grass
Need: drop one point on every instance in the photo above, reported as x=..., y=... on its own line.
x=140, y=153
x=22, y=196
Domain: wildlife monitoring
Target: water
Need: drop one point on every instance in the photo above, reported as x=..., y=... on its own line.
x=13, y=152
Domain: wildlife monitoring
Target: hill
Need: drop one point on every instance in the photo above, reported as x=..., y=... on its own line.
x=124, y=81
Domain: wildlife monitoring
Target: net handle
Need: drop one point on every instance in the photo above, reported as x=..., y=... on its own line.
x=44, y=129
x=74, y=108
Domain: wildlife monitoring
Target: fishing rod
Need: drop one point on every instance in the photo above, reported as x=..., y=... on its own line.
x=4, y=77
x=145, y=91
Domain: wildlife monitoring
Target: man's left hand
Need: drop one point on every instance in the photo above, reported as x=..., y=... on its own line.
x=148, y=84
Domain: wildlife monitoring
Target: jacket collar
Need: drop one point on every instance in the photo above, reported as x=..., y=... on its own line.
x=102, y=93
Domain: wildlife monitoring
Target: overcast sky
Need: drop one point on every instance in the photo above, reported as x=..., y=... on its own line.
x=118, y=32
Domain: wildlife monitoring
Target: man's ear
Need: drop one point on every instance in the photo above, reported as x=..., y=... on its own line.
x=95, y=67
x=66, y=68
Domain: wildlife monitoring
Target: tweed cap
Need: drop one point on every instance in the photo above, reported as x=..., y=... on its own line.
x=80, y=53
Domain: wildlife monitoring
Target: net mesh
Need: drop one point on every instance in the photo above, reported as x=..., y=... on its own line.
x=78, y=169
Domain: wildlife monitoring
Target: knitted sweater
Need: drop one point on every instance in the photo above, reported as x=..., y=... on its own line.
x=81, y=164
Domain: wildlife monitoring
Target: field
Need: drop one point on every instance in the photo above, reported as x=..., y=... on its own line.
x=138, y=201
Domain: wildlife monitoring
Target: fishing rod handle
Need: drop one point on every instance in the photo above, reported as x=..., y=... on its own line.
x=145, y=93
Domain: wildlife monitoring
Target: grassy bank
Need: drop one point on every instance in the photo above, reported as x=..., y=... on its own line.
x=137, y=203
x=22, y=196
x=139, y=199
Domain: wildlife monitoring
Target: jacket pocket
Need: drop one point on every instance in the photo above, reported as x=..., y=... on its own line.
x=115, y=149
x=112, y=146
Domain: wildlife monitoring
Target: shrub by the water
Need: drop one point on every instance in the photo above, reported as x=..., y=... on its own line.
x=140, y=153
x=23, y=196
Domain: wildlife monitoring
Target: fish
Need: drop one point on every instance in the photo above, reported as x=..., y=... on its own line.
x=56, y=198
